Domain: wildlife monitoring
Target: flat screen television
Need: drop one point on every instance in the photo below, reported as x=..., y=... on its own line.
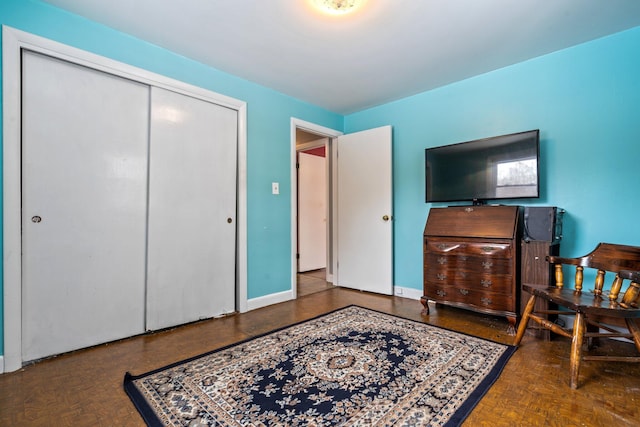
x=496, y=168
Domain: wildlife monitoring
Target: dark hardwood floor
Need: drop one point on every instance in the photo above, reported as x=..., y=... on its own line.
x=84, y=388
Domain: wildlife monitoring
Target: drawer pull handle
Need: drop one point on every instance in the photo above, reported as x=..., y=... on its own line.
x=487, y=249
x=441, y=276
x=442, y=246
x=464, y=291
x=486, y=301
x=442, y=260
x=486, y=283
x=464, y=258
x=487, y=265
x=441, y=293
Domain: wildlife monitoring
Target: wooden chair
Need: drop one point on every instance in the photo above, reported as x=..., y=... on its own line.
x=595, y=310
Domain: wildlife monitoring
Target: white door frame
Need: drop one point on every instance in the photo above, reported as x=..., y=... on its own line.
x=13, y=41
x=323, y=132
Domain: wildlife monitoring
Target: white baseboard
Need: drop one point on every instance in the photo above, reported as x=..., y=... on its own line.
x=276, y=298
x=1, y=364
x=266, y=300
x=410, y=293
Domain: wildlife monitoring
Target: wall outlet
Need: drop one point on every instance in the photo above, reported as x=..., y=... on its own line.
x=275, y=188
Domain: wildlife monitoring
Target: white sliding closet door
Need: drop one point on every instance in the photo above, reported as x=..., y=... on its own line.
x=84, y=179
x=192, y=210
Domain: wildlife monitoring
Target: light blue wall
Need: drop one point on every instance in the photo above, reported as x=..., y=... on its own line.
x=268, y=129
x=586, y=102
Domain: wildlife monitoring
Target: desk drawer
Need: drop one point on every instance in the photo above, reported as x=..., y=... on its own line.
x=452, y=247
x=472, y=297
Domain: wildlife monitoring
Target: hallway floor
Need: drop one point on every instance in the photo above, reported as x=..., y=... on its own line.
x=310, y=282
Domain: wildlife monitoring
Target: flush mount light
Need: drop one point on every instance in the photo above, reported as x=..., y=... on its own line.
x=337, y=7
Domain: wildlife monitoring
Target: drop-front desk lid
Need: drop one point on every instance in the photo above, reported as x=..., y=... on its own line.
x=473, y=221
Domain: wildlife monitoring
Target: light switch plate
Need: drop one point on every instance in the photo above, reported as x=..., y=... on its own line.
x=275, y=188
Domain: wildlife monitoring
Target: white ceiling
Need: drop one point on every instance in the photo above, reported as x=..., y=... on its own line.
x=387, y=50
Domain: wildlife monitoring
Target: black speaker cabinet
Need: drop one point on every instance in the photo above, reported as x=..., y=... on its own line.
x=542, y=224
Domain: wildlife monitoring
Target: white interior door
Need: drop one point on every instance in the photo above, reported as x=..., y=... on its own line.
x=192, y=210
x=84, y=177
x=364, y=211
x=312, y=212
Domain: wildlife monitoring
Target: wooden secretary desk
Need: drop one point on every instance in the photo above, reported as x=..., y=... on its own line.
x=472, y=259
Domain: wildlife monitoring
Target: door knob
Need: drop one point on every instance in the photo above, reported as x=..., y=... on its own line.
x=229, y=220
x=385, y=218
x=36, y=219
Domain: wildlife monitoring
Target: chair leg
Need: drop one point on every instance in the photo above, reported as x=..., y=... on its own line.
x=525, y=319
x=634, y=328
x=576, y=349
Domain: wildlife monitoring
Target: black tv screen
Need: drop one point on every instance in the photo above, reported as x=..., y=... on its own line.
x=500, y=167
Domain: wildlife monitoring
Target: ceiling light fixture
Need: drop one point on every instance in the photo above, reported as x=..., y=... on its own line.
x=337, y=7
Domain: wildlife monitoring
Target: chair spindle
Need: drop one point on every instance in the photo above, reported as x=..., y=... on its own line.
x=631, y=296
x=579, y=278
x=559, y=276
x=615, y=288
x=597, y=290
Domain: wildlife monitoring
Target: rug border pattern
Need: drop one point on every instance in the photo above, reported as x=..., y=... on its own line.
x=151, y=418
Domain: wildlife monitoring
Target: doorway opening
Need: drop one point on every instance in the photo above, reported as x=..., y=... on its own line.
x=312, y=229
x=359, y=230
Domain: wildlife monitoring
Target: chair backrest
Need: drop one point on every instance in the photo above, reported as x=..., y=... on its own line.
x=612, y=257
x=606, y=257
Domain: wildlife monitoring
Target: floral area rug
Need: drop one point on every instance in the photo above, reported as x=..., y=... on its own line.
x=351, y=367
